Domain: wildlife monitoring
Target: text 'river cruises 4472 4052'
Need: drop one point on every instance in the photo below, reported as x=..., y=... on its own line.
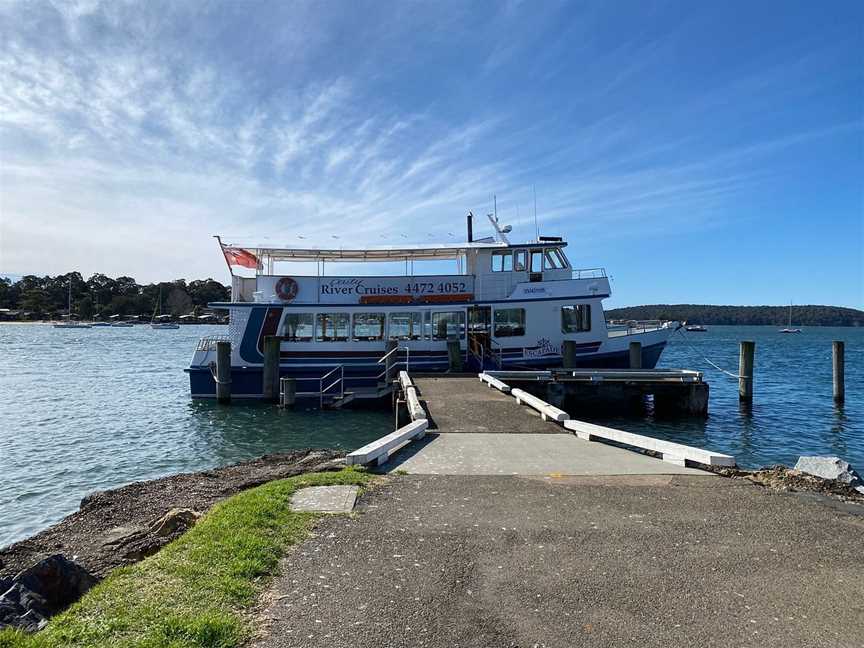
x=510, y=306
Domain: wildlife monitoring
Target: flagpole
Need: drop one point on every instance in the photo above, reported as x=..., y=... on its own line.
x=222, y=249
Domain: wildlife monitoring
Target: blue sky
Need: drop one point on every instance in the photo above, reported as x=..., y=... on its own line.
x=701, y=152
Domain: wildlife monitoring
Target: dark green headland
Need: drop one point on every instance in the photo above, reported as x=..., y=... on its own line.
x=742, y=315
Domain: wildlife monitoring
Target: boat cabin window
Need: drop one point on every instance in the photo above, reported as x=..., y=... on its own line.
x=536, y=261
x=448, y=323
x=560, y=256
x=553, y=260
x=576, y=319
x=520, y=263
x=509, y=322
x=368, y=326
x=332, y=327
x=406, y=326
x=502, y=261
x=297, y=327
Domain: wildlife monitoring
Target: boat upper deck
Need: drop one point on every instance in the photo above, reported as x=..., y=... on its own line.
x=487, y=269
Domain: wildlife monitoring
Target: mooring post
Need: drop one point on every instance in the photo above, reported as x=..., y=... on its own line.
x=288, y=391
x=838, y=347
x=454, y=354
x=390, y=362
x=745, y=371
x=635, y=355
x=569, y=354
x=270, y=374
x=223, y=372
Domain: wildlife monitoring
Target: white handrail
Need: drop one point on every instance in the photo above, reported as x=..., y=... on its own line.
x=339, y=381
x=391, y=352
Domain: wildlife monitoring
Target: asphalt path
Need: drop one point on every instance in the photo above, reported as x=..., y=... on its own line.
x=652, y=560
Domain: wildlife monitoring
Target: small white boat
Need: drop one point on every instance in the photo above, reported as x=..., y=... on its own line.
x=73, y=325
x=122, y=325
x=696, y=328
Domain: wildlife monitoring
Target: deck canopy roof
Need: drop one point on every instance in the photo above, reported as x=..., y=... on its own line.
x=372, y=253
x=377, y=253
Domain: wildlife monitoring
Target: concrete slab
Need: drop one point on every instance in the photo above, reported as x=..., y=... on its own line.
x=524, y=454
x=468, y=405
x=325, y=499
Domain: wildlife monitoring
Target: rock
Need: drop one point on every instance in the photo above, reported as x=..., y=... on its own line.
x=829, y=468
x=60, y=581
x=143, y=548
x=177, y=519
x=43, y=590
x=121, y=535
x=93, y=500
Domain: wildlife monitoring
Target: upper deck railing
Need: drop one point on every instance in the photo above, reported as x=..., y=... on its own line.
x=589, y=273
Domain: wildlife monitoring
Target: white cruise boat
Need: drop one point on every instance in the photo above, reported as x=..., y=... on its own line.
x=510, y=306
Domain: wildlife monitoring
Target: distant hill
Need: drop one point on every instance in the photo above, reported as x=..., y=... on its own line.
x=742, y=315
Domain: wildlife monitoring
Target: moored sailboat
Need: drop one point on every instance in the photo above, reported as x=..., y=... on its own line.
x=789, y=328
x=155, y=322
x=69, y=324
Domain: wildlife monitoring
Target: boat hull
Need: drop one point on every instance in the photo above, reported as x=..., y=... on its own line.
x=363, y=372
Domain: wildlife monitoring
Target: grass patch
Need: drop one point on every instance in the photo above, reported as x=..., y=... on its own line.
x=194, y=591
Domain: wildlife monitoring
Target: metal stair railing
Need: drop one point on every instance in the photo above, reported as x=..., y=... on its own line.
x=338, y=381
x=383, y=358
x=479, y=351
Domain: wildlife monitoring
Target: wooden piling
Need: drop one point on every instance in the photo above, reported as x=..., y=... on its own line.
x=270, y=373
x=745, y=371
x=288, y=391
x=635, y=355
x=569, y=354
x=454, y=354
x=390, y=362
x=839, y=365
x=223, y=372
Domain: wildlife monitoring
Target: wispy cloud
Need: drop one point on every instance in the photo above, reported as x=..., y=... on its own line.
x=132, y=132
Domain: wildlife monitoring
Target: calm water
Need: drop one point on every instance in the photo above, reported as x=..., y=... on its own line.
x=82, y=410
x=793, y=412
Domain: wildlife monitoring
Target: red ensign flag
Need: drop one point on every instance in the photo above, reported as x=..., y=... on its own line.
x=238, y=257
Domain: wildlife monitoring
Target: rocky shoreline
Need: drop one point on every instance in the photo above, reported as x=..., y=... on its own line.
x=43, y=574
x=120, y=526
x=124, y=525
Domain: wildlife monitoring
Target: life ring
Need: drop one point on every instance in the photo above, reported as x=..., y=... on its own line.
x=286, y=289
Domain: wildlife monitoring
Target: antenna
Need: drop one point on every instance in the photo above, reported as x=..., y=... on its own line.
x=536, y=226
x=500, y=232
x=495, y=206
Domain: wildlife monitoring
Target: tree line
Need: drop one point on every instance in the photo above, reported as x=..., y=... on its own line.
x=101, y=296
x=743, y=315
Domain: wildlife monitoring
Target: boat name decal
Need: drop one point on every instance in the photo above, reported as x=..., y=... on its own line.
x=544, y=347
x=358, y=286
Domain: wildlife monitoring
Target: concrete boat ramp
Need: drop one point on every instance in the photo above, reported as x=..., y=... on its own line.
x=512, y=531
x=478, y=425
x=474, y=430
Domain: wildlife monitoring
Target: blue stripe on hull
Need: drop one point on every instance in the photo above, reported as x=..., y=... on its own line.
x=246, y=381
